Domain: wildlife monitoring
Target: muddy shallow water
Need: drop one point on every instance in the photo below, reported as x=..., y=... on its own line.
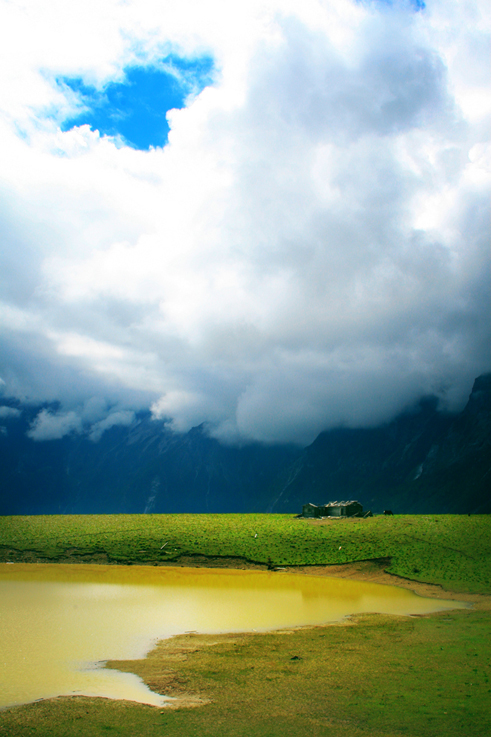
x=59, y=623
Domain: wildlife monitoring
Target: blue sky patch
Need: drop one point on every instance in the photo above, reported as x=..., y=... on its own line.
x=135, y=108
x=416, y=4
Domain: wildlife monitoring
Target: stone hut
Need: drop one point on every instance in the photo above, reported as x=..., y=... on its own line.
x=333, y=509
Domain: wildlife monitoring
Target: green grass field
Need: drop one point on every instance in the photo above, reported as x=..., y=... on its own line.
x=451, y=550
x=378, y=676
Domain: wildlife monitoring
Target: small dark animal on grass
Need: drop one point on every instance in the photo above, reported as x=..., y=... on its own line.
x=388, y=512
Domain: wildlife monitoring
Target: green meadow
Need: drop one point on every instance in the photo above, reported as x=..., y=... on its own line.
x=372, y=676
x=451, y=550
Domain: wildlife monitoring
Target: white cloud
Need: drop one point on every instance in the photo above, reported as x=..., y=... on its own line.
x=310, y=249
x=114, y=419
x=52, y=426
x=7, y=412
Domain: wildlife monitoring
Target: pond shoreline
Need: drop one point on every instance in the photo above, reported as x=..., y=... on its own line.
x=370, y=570
x=174, y=667
x=166, y=652
x=370, y=665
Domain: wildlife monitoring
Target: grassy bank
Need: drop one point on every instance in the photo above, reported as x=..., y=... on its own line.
x=451, y=550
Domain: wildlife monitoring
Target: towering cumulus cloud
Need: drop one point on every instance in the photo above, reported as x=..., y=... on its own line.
x=302, y=240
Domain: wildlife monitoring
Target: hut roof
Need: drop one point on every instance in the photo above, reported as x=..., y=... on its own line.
x=341, y=504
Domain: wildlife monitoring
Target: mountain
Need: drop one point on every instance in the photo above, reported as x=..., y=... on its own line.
x=142, y=468
x=423, y=461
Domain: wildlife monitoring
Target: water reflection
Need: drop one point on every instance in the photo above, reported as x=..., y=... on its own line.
x=58, y=622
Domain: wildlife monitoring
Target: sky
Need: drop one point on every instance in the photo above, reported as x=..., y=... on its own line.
x=268, y=216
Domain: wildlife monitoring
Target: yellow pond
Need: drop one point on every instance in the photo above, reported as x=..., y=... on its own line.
x=59, y=623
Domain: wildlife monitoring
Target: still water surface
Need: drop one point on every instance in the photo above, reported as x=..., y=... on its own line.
x=59, y=623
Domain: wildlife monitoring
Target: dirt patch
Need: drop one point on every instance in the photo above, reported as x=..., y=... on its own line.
x=203, y=561
x=74, y=555
x=321, y=521
x=71, y=555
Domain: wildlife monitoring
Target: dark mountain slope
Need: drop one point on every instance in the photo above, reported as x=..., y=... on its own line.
x=457, y=471
x=143, y=468
x=424, y=461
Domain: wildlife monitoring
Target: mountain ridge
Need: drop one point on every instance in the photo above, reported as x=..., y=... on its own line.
x=423, y=461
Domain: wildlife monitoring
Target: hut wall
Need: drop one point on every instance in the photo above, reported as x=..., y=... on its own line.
x=310, y=510
x=353, y=509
